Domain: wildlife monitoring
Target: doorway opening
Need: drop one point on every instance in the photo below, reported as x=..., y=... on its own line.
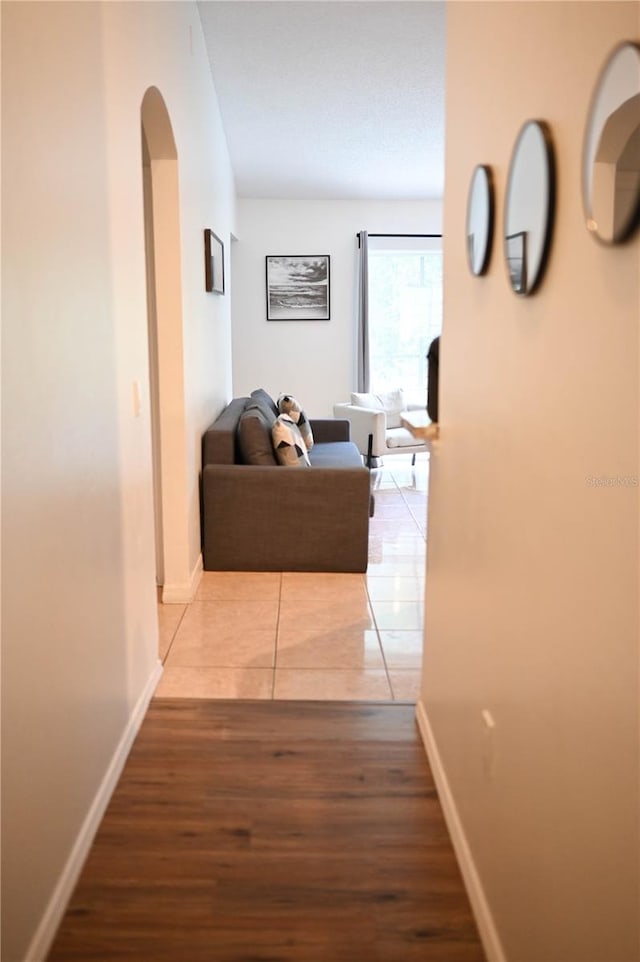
x=165, y=338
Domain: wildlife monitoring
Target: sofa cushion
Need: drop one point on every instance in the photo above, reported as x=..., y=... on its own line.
x=254, y=437
x=391, y=402
x=336, y=454
x=220, y=443
x=264, y=407
x=260, y=396
x=287, y=404
x=288, y=444
x=401, y=438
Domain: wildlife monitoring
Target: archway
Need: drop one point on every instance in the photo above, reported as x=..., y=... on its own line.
x=166, y=368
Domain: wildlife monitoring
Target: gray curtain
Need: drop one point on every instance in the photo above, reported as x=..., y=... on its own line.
x=362, y=347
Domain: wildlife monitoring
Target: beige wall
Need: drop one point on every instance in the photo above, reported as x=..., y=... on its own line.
x=79, y=627
x=532, y=594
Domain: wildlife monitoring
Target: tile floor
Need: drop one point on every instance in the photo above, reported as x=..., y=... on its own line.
x=295, y=635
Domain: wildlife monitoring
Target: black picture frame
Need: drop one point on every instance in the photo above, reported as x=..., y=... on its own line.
x=213, y=263
x=298, y=287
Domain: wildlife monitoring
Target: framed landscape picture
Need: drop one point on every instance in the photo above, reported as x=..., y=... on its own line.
x=298, y=287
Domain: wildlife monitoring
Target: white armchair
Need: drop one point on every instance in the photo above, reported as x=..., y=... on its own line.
x=376, y=426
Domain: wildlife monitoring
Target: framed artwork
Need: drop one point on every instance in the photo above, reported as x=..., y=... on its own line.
x=516, y=255
x=213, y=262
x=298, y=287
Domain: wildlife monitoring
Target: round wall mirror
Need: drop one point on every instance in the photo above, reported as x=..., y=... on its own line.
x=529, y=209
x=611, y=153
x=480, y=220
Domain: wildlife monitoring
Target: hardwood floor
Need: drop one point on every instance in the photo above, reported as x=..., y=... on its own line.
x=272, y=832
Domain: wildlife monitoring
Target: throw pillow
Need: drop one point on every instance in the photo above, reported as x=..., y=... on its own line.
x=288, y=405
x=254, y=437
x=262, y=397
x=392, y=403
x=288, y=444
x=265, y=409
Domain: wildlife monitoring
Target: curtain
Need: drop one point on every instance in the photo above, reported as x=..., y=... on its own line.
x=362, y=340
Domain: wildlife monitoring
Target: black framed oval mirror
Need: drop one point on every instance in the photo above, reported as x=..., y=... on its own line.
x=611, y=150
x=480, y=207
x=530, y=206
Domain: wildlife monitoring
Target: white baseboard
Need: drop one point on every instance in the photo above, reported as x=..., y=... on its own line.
x=45, y=933
x=479, y=904
x=182, y=593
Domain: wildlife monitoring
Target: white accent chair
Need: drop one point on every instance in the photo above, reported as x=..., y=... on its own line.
x=376, y=426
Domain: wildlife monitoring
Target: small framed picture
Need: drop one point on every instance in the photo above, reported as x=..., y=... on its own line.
x=298, y=287
x=213, y=262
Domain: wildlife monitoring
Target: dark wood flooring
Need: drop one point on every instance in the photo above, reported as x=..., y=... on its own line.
x=272, y=832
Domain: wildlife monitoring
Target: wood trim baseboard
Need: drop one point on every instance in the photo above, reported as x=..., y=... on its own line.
x=183, y=593
x=45, y=933
x=473, y=884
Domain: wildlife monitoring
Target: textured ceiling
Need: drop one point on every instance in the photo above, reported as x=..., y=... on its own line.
x=331, y=99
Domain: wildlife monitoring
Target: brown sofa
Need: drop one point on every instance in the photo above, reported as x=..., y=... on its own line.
x=261, y=516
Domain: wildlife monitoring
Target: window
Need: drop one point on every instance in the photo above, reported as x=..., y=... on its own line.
x=405, y=311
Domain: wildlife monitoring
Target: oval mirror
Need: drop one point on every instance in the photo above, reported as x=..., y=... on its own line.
x=480, y=220
x=611, y=152
x=529, y=209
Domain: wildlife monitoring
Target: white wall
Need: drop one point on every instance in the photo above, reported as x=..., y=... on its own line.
x=179, y=67
x=532, y=585
x=314, y=360
x=79, y=619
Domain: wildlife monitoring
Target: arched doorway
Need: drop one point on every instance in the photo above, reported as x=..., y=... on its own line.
x=166, y=368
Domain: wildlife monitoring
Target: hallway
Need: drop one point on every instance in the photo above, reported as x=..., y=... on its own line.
x=252, y=822
x=274, y=831
x=293, y=635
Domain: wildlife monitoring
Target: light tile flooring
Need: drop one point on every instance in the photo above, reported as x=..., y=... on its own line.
x=295, y=635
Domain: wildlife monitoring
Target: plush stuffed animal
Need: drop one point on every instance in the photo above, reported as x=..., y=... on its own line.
x=287, y=404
